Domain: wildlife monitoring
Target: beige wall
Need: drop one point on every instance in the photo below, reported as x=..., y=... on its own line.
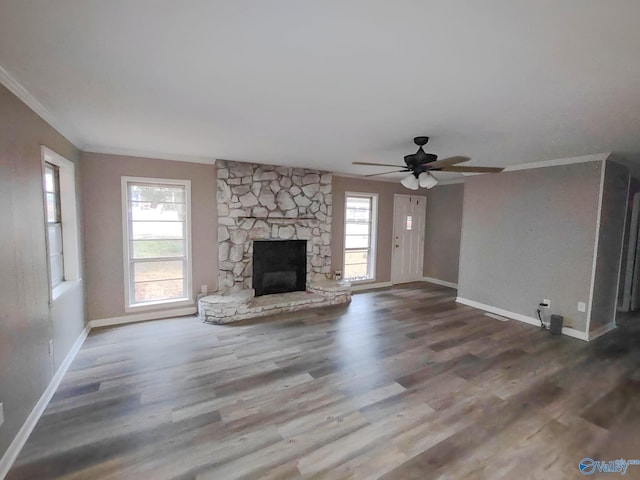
x=27, y=321
x=101, y=188
x=385, y=191
x=442, y=232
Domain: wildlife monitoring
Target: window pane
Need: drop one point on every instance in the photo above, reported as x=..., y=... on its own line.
x=55, y=239
x=356, y=265
x=49, y=179
x=163, y=270
x=157, y=193
x=157, y=215
x=52, y=208
x=159, y=290
x=158, y=248
x=164, y=230
x=357, y=229
x=57, y=269
x=356, y=257
x=158, y=211
x=358, y=209
x=356, y=241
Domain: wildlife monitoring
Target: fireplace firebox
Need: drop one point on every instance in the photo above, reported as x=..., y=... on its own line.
x=279, y=266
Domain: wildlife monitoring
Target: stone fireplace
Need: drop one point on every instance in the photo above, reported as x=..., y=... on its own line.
x=266, y=202
x=274, y=236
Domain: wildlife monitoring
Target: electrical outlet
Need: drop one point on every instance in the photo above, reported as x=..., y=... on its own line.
x=548, y=302
x=582, y=307
x=204, y=289
x=1, y=414
x=51, y=347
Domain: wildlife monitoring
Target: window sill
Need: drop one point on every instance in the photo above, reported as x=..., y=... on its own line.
x=141, y=307
x=63, y=288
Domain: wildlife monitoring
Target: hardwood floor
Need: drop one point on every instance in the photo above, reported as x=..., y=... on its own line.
x=403, y=383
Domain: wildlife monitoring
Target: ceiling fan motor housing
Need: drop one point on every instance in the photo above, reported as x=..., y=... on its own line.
x=419, y=158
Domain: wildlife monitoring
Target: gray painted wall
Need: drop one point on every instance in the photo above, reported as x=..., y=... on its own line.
x=27, y=321
x=529, y=235
x=442, y=232
x=612, y=223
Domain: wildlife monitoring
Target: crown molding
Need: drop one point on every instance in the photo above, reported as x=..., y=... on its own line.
x=453, y=181
x=34, y=104
x=362, y=177
x=124, y=152
x=597, y=157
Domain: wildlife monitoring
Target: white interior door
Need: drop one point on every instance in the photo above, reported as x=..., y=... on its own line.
x=409, y=212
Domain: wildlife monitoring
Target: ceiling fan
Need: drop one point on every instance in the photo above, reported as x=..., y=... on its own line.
x=422, y=164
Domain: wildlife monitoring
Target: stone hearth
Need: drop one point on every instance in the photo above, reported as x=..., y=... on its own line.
x=243, y=305
x=265, y=202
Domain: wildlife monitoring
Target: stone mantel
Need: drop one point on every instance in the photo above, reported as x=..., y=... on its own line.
x=267, y=202
x=279, y=219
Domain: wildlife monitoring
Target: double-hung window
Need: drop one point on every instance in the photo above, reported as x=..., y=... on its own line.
x=61, y=222
x=157, y=241
x=359, y=238
x=54, y=223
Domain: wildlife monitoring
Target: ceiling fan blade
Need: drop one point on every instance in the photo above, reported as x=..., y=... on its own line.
x=377, y=164
x=445, y=162
x=473, y=169
x=385, y=173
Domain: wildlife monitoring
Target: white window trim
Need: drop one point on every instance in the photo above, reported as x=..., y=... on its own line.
x=374, y=234
x=69, y=217
x=126, y=254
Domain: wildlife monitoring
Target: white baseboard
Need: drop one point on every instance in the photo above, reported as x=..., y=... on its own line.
x=571, y=332
x=498, y=311
x=142, y=317
x=29, y=424
x=369, y=286
x=602, y=330
x=437, y=281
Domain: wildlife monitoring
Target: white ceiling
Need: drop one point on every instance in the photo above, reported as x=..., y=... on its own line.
x=324, y=83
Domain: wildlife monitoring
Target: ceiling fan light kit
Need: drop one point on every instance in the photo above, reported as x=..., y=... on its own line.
x=426, y=180
x=421, y=164
x=410, y=182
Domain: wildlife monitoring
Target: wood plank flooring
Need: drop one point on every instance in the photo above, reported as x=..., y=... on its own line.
x=401, y=384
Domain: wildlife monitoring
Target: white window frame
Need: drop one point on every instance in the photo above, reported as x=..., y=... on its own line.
x=69, y=219
x=372, y=235
x=127, y=254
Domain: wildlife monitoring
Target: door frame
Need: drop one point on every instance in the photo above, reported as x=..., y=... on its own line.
x=393, y=234
x=631, y=264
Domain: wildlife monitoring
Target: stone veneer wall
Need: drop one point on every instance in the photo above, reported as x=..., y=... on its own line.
x=266, y=202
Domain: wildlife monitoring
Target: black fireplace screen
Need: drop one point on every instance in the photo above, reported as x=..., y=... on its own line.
x=279, y=266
